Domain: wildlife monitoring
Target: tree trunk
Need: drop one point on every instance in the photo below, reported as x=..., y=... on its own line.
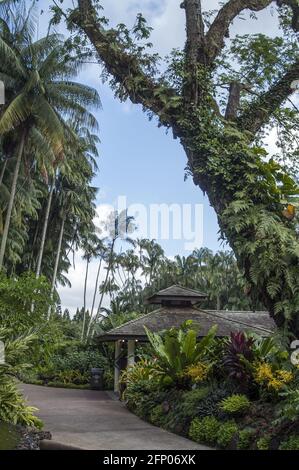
x=96, y=287
x=57, y=259
x=12, y=198
x=93, y=321
x=84, y=301
x=3, y=170
x=45, y=227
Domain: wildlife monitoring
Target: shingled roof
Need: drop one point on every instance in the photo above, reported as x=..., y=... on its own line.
x=165, y=318
x=176, y=293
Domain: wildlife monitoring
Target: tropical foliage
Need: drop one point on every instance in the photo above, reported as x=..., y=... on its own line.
x=13, y=408
x=220, y=97
x=215, y=406
x=48, y=149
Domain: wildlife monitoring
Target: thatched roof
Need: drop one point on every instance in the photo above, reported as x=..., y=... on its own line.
x=165, y=318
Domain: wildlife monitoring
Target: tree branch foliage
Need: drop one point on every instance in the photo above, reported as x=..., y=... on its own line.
x=220, y=96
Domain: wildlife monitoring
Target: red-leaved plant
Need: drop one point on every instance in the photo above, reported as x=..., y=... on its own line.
x=238, y=352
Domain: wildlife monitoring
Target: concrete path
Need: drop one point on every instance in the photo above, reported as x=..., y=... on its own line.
x=94, y=421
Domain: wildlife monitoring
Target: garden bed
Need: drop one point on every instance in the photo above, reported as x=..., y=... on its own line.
x=20, y=438
x=236, y=393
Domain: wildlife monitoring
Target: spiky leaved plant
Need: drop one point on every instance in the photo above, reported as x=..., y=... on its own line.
x=238, y=352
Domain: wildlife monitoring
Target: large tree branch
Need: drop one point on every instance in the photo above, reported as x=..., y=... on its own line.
x=260, y=111
x=233, y=101
x=194, y=29
x=194, y=49
x=219, y=30
x=122, y=66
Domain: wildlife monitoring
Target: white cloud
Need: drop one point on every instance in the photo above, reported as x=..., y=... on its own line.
x=73, y=298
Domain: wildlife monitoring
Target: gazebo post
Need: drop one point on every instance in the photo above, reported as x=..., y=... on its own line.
x=116, y=369
x=131, y=352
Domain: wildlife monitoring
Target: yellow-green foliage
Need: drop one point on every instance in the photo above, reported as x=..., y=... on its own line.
x=13, y=407
x=263, y=443
x=157, y=415
x=211, y=431
x=226, y=432
x=197, y=372
x=244, y=438
x=235, y=404
x=204, y=430
x=292, y=443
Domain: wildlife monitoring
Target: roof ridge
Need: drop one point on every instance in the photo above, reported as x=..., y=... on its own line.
x=194, y=291
x=237, y=311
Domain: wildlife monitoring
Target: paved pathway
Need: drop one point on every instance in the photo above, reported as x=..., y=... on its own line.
x=93, y=420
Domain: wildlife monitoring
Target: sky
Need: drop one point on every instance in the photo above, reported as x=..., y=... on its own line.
x=138, y=160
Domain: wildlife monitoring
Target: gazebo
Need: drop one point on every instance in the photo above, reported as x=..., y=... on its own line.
x=176, y=305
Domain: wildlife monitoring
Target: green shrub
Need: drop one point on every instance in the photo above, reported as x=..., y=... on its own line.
x=226, y=432
x=204, y=430
x=263, y=443
x=209, y=406
x=175, y=417
x=13, y=407
x=73, y=377
x=108, y=379
x=176, y=349
x=157, y=416
x=16, y=297
x=244, y=439
x=80, y=361
x=67, y=385
x=292, y=443
x=235, y=404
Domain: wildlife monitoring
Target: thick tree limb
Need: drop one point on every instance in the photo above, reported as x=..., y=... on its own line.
x=123, y=67
x=194, y=49
x=260, y=111
x=219, y=29
x=194, y=29
x=233, y=101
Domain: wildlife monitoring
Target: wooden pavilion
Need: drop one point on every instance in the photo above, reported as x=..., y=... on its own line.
x=176, y=305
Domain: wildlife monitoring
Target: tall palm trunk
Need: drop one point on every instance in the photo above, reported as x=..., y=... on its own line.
x=45, y=228
x=3, y=170
x=12, y=197
x=57, y=259
x=84, y=301
x=93, y=321
x=96, y=287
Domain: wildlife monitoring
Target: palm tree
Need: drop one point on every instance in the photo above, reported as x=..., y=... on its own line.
x=40, y=96
x=74, y=204
x=45, y=227
x=118, y=226
x=90, y=246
